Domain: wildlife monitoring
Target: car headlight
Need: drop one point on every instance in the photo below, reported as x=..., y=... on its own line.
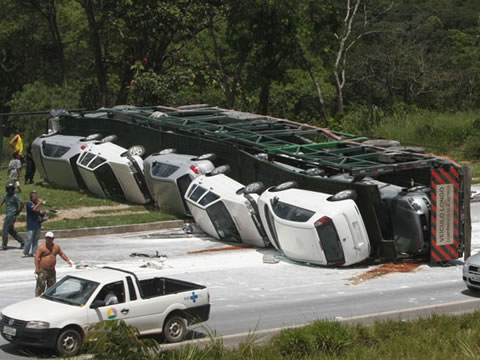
x=465, y=265
x=37, y=325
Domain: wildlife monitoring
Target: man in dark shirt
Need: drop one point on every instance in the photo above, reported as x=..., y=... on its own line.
x=14, y=207
x=34, y=224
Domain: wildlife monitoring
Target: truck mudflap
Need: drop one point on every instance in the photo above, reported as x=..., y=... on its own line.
x=446, y=221
x=197, y=314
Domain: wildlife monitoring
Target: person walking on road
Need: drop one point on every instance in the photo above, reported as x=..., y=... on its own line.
x=45, y=262
x=14, y=170
x=16, y=143
x=14, y=206
x=34, y=224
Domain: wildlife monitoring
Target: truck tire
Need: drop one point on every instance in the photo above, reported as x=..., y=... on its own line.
x=285, y=186
x=175, y=329
x=68, y=343
x=222, y=169
x=343, y=195
x=208, y=156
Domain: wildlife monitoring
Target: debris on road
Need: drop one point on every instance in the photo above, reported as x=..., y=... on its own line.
x=157, y=255
x=270, y=259
x=382, y=270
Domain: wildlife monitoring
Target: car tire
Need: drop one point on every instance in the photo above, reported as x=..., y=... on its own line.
x=343, y=195
x=109, y=138
x=384, y=143
x=167, y=151
x=69, y=342
x=285, y=186
x=254, y=188
x=92, y=137
x=136, y=150
x=222, y=169
x=208, y=156
x=175, y=329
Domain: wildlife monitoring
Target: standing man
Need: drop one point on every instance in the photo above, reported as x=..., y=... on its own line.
x=16, y=143
x=34, y=224
x=45, y=262
x=14, y=170
x=30, y=166
x=14, y=207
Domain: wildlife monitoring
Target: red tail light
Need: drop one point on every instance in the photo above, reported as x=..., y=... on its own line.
x=322, y=221
x=194, y=169
x=83, y=147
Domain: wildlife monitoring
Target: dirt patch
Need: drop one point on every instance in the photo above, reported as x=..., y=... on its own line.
x=383, y=270
x=220, y=249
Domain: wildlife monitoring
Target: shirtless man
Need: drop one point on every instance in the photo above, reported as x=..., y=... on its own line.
x=45, y=261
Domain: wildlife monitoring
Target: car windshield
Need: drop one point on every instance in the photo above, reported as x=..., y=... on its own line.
x=197, y=193
x=208, y=198
x=223, y=222
x=290, y=212
x=98, y=161
x=163, y=170
x=86, y=158
x=54, y=151
x=71, y=290
x=330, y=243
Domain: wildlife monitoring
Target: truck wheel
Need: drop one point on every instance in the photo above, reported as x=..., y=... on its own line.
x=285, y=186
x=175, y=329
x=208, y=156
x=343, y=195
x=109, y=138
x=222, y=169
x=68, y=342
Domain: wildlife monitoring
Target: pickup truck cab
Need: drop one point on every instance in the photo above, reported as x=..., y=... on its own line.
x=60, y=318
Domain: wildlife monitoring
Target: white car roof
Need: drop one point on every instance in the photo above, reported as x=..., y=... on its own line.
x=102, y=276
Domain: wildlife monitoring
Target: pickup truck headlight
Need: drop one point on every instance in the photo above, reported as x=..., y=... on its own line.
x=37, y=325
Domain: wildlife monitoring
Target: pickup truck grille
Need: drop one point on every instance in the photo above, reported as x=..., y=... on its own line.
x=16, y=323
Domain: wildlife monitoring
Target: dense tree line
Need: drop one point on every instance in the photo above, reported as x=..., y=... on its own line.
x=309, y=60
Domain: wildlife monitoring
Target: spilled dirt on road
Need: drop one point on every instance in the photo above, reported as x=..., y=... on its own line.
x=383, y=270
x=221, y=249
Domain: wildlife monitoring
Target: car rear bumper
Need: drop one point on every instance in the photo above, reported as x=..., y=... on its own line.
x=198, y=314
x=45, y=338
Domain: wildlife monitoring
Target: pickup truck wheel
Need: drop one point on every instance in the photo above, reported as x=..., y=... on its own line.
x=285, y=186
x=136, y=150
x=68, y=342
x=343, y=195
x=175, y=329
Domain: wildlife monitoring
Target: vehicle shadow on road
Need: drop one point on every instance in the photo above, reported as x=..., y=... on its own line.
x=17, y=350
x=471, y=293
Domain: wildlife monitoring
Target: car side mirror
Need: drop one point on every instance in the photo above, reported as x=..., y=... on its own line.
x=97, y=303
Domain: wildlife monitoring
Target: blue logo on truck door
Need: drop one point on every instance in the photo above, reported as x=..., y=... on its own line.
x=193, y=297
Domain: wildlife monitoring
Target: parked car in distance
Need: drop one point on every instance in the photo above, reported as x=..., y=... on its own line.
x=408, y=214
x=168, y=175
x=111, y=171
x=56, y=157
x=471, y=272
x=60, y=318
x=226, y=209
x=313, y=227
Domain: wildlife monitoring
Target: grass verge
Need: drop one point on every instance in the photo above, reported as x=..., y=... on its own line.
x=437, y=337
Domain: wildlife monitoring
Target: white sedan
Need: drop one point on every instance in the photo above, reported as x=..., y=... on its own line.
x=313, y=227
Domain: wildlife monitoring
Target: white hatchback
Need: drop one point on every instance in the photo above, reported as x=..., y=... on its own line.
x=225, y=209
x=313, y=227
x=113, y=172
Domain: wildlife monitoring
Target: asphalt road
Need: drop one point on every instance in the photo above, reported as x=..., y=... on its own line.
x=246, y=293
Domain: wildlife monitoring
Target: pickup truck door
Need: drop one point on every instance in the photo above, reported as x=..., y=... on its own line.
x=115, y=309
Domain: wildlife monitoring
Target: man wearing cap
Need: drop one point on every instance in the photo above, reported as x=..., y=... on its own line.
x=14, y=207
x=45, y=262
x=34, y=224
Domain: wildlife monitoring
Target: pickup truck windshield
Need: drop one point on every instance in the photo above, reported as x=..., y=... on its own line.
x=71, y=290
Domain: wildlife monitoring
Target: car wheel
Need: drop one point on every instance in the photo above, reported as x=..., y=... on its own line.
x=68, y=342
x=384, y=143
x=343, y=195
x=167, y=151
x=223, y=169
x=254, y=188
x=136, y=150
x=285, y=186
x=109, y=138
x=175, y=329
x=209, y=156
x=92, y=137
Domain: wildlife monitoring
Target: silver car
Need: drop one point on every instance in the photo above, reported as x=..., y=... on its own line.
x=56, y=156
x=471, y=272
x=168, y=176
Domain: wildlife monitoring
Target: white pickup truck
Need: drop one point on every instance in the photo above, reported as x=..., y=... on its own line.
x=60, y=317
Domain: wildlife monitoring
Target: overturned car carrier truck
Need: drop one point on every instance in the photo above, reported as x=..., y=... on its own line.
x=414, y=205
